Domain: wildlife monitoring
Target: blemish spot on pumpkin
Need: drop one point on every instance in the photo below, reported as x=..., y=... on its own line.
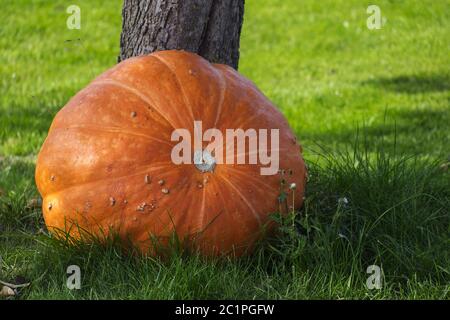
x=112, y=201
x=200, y=185
x=134, y=219
x=50, y=206
x=125, y=201
x=161, y=182
x=192, y=72
x=133, y=114
x=141, y=207
x=52, y=178
x=87, y=207
x=147, y=179
x=165, y=191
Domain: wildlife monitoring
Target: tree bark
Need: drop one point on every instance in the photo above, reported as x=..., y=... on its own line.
x=210, y=28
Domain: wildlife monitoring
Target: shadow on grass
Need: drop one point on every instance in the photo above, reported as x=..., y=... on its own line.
x=25, y=120
x=394, y=216
x=412, y=84
x=19, y=205
x=415, y=132
x=33, y=113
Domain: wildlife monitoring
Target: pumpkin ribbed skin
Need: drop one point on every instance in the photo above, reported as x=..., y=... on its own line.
x=107, y=157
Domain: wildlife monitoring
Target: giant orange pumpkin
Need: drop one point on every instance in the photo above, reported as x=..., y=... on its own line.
x=106, y=163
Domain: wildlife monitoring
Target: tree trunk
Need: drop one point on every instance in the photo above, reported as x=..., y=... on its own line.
x=210, y=28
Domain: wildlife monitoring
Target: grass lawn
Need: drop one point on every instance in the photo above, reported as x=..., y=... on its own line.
x=371, y=108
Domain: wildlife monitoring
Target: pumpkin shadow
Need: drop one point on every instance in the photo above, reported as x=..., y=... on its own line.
x=413, y=84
